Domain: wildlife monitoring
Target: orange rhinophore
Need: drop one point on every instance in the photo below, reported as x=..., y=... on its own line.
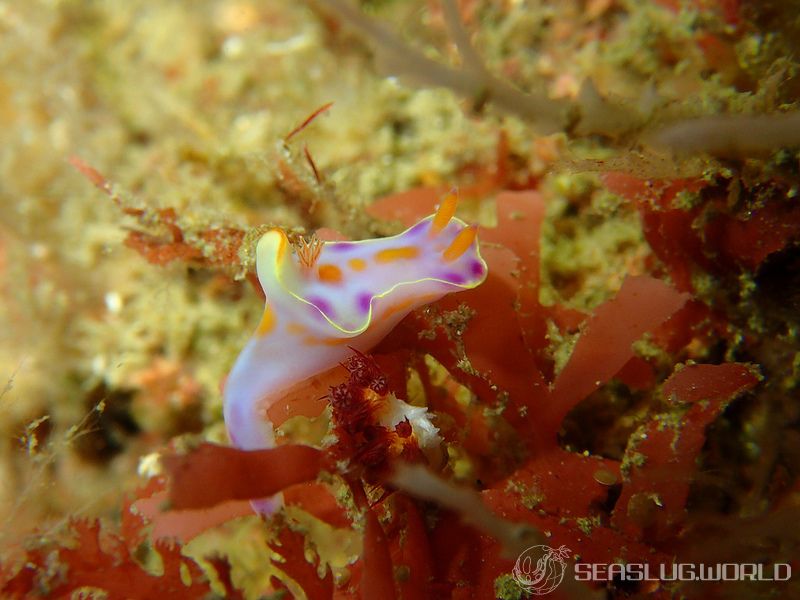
x=445, y=212
x=460, y=244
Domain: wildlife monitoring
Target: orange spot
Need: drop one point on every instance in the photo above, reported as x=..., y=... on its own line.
x=295, y=328
x=461, y=243
x=444, y=213
x=357, y=264
x=393, y=254
x=283, y=243
x=329, y=273
x=267, y=322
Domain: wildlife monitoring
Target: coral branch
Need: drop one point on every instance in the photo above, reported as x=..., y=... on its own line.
x=420, y=482
x=473, y=82
x=471, y=60
x=730, y=136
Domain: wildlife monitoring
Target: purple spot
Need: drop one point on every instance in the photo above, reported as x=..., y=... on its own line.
x=453, y=277
x=364, y=299
x=323, y=305
x=340, y=247
x=476, y=268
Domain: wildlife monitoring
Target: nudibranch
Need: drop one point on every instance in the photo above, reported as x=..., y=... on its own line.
x=348, y=297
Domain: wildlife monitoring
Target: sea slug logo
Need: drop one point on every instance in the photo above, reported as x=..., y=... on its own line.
x=540, y=569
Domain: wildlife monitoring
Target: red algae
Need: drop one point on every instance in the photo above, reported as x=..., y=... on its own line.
x=706, y=235
x=621, y=389
x=531, y=481
x=377, y=580
x=410, y=547
x=291, y=545
x=185, y=525
x=217, y=473
x=713, y=383
x=653, y=500
x=605, y=344
x=562, y=486
x=107, y=563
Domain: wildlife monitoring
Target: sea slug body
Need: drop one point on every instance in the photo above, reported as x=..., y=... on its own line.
x=348, y=297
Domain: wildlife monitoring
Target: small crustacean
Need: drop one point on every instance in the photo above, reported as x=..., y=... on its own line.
x=347, y=298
